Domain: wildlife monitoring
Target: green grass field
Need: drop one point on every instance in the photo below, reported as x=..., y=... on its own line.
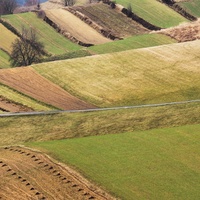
x=157, y=164
x=54, y=42
x=154, y=12
x=22, y=99
x=150, y=75
x=4, y=60
x=17, y=130
x=192, y=6
x=135, y=42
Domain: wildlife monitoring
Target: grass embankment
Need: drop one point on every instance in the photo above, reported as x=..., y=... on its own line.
x=54, y=42
x=4, y=60
x=17, y=130
x=154, y=12
x=22, y=99
x=157, y=164
x=135, y=42
x=192, y=7
x=6, y=38
x=151, y=75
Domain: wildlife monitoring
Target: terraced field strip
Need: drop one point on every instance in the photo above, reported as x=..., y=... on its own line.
x=191, y=6
x=111, y=20
x=184, y=32
x=21, y=99
x=75, y=27
x=156, y=164
x=154, y=12
x=6, y=38
x=28, y=81
x=143, y=76
x=135, y=42
x=26, y=174
x=4, y=60
x=54, y=42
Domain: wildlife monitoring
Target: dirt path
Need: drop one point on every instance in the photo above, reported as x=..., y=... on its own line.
x=26, y=174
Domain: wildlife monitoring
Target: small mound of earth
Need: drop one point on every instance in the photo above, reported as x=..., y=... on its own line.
x=184, y=32
x=27, y=174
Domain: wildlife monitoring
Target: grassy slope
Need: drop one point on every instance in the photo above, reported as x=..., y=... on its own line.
x=154, y=12
x=16, y=130
x=6, y=38
x=17, y=97
x=157, y=164
x=4, y=60
x=157, y=74
x=135, y=42
x=192, y=6
x=53, y=41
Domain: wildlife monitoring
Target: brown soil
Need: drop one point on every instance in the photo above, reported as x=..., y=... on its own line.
x=11, y=106
x=26, y=80
x=27, y=174
x=184, y=32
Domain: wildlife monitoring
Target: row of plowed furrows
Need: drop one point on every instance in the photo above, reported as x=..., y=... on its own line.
x=25, y=174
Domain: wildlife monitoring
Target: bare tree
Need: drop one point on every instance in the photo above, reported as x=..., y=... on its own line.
x=7, y=6
x=27, y=49
x=69, y=2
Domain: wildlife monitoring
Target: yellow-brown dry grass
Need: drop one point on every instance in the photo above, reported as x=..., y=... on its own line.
x=6, y=38
x=184, y=32
x=26, y=80
x=75, y=27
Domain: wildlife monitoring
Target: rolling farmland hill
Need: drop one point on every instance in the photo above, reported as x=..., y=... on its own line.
x=134, y=42
x=111, y=20
x=150, y=75
x=154, y=12
x=54, y=42
x=75, y=27
x=27, y=81
x=191, y=6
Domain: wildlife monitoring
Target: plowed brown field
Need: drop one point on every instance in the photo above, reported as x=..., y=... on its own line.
x=29, y=82
x=75, y=27
x=26, y=174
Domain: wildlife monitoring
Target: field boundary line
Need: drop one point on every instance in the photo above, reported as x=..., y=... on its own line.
x=96, y=109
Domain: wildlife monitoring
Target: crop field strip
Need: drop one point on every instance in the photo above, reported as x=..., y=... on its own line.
x=111, y=20
x=74, y=26
x=154, y=12
x=28, y=81
x=191, y=6
x=4, y=60
x=19, y=98
x=26, y=174
x=151, y=75
x=134, y=42
x=6, y=38
x=54, y=42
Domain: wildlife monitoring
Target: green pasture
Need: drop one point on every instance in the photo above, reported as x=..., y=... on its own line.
x=154, y=12
x=151, y=75
x=15, y=96
x=4, y=60
x=135, y=42
x=21, y=129
x=54, y=42
x=192, y=7
x=156, y=164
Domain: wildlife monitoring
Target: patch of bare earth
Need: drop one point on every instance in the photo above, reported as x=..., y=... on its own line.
x=71, y=25
x=26, y=80
x=7, y=105
x=27, y=174
x=184, y=32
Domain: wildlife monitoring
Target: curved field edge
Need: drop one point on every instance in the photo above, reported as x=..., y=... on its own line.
x=15, y=96
x=165, y=73
x=20, y=129
x=155, y=164
x=134, y=42
x=154, y=12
